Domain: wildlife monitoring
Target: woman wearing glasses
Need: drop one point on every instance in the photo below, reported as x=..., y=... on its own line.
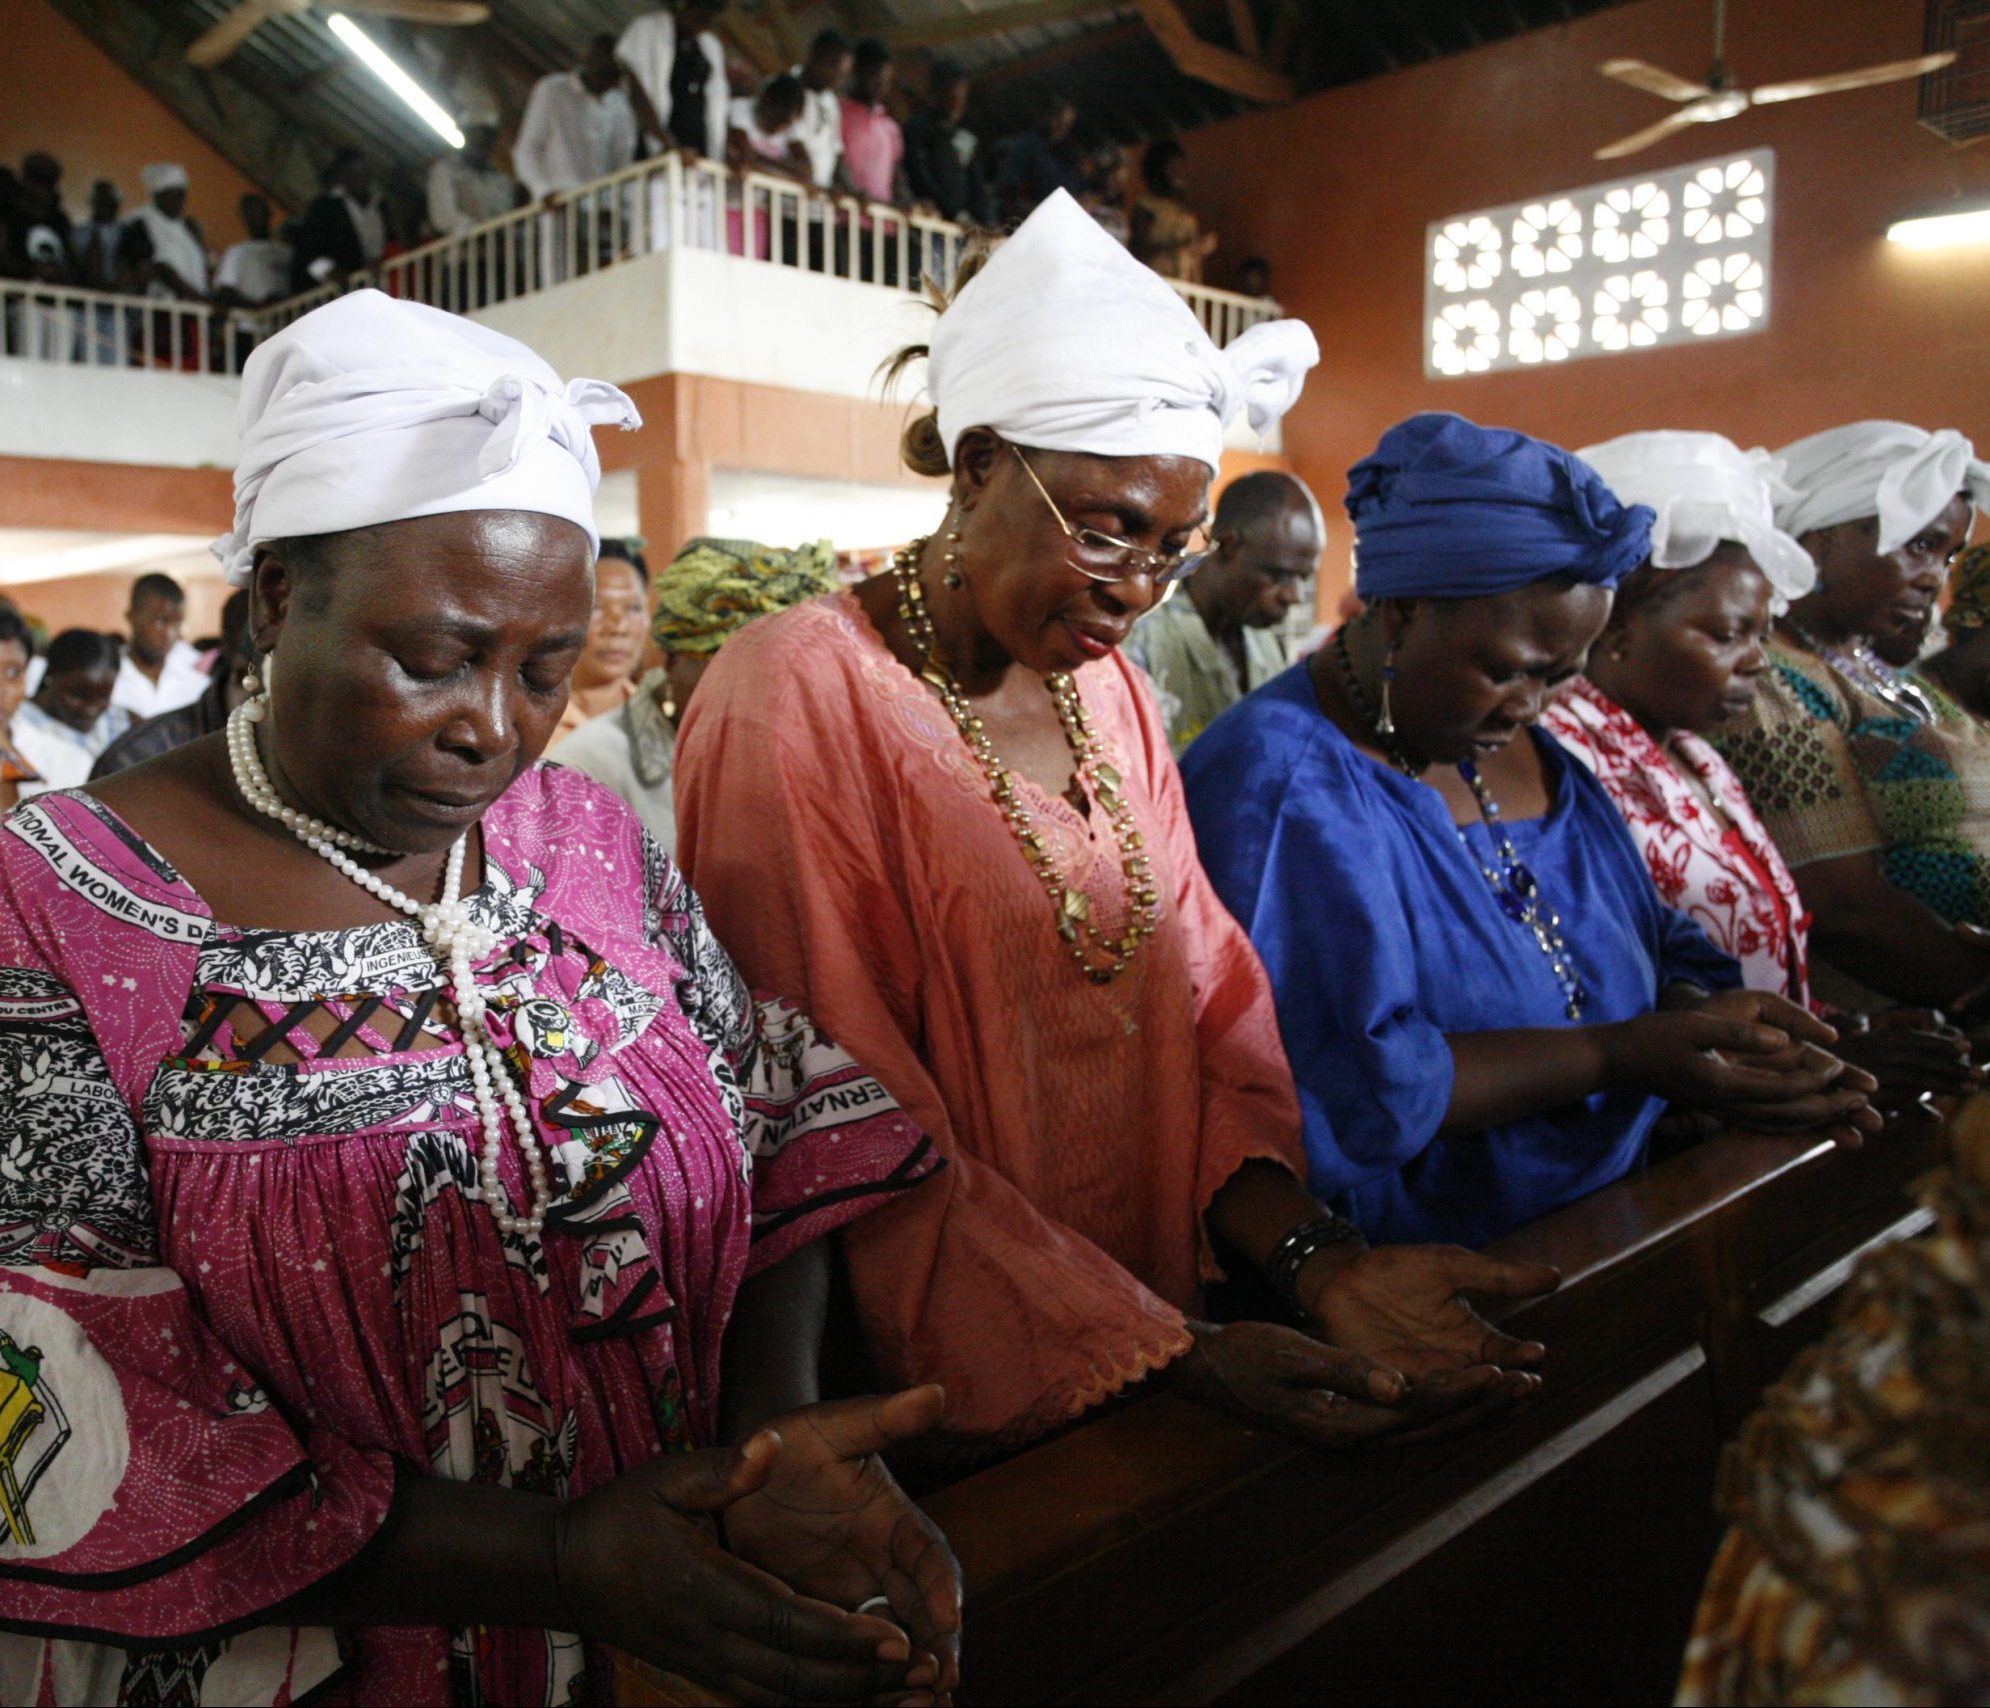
x=942, y=807
x=1486, y=1003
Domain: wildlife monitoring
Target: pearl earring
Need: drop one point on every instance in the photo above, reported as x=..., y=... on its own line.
x=952, y=577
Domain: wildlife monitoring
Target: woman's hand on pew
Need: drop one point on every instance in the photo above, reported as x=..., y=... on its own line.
x=831, y=1522
x=1329, y=1396
x=1405, y=1306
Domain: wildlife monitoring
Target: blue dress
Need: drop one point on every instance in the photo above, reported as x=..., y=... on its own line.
x=1382, y=936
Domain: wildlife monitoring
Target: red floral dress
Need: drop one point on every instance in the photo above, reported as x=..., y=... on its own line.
x=1729, y=878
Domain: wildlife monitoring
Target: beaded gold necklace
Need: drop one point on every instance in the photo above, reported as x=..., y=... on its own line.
x=1102, y=957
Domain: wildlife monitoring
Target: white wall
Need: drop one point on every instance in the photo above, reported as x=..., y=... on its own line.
x=117, y=415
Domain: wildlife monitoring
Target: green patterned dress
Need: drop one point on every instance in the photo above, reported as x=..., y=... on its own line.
x=1836, y=768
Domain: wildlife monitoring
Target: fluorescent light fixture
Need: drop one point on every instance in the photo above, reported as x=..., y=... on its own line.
x=1942, y=231
x=375, y=58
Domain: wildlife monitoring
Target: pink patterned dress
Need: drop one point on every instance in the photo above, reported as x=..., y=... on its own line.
x=242, y=1295
x=1730, y=879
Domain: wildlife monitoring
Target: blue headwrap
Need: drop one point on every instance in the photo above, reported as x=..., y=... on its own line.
x=1446, y=509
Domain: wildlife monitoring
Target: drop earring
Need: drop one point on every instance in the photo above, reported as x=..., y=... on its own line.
x=951, y=576
x=1385, y=725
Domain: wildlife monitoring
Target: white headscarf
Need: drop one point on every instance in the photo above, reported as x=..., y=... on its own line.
x=1065, y=342
x=1706, y=489
x=163, y=175
x=1906, y=476
x=373, y=410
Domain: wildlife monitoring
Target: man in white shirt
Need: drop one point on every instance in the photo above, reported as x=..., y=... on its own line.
x=159, y=672
x=255, y=272
x=677, y=72
x=824, y=76
x=466, y=189
x=578, y=125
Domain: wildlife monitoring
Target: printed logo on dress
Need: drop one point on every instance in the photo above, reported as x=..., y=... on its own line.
x=77, y=871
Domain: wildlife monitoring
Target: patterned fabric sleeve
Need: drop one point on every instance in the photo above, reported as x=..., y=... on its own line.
x=826, y=1141
x=149, y=1490
x=1793, y=753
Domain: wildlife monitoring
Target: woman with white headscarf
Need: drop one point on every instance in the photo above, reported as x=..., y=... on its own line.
x=1685, y=649
x=1875, y=784
x=942, y=808
x=390, y=1159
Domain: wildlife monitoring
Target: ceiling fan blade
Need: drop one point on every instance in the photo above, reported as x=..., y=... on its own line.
x=423, y=11
x=1654, y=80
x=213, y=46
x=1645, y=138
x=1894, y=71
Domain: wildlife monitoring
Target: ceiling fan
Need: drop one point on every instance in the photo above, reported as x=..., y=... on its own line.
x=225, y=37
x=1718, y=98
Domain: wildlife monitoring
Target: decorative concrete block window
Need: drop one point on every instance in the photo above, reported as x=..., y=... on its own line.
x=1673, y=257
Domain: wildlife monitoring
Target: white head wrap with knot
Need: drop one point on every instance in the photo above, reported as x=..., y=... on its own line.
x=1706, y=489
x=1066, y=343
x=373, y=410
x=163, y=175
x=1906, y=476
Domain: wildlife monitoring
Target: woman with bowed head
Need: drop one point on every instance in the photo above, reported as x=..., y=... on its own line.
x=410, y=1226
x=1486, y=1004
x=941, y=808
x=1683, y=650
x=1875, y=784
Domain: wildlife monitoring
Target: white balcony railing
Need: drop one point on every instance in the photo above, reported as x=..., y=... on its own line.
x=653, y=206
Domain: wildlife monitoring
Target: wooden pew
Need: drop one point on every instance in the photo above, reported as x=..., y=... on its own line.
x=1163, y=1553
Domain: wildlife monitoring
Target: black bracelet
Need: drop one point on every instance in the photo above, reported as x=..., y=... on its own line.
x=1296, y=1249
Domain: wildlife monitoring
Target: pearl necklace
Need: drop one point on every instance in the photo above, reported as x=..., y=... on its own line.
x=456, y=941
x=1070, y=905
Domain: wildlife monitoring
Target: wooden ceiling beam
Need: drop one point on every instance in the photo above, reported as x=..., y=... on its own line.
x=1208, y=63
x=966, y=26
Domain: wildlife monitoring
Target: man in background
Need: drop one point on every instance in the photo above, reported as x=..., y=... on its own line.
x=163, y=250
x=159, y=671
x=824, y=75
x=873, y=144
x=199, y=717
x=1216, y=639
x=942, y=156
x=255, y=272
x=95, y=241
x=344, y=230
x=578, y=125
x=1040, y=161
x=466, y=187
x=677, y=76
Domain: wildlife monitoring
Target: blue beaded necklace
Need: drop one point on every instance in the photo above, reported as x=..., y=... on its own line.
x=1519, y=896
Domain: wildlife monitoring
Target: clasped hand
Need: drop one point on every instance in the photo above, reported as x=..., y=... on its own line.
x=814, y=1526
x=1754, y=1060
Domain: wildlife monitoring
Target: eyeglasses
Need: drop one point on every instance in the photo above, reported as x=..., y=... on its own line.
x=1104, y=557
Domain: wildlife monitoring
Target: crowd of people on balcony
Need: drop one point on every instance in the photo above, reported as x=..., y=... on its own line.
x=838, y=124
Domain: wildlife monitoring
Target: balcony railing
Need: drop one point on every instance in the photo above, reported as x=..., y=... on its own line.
x=669, y=203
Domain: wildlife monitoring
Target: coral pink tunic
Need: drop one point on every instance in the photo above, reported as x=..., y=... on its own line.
x=846, y=844
x=242, y=1291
